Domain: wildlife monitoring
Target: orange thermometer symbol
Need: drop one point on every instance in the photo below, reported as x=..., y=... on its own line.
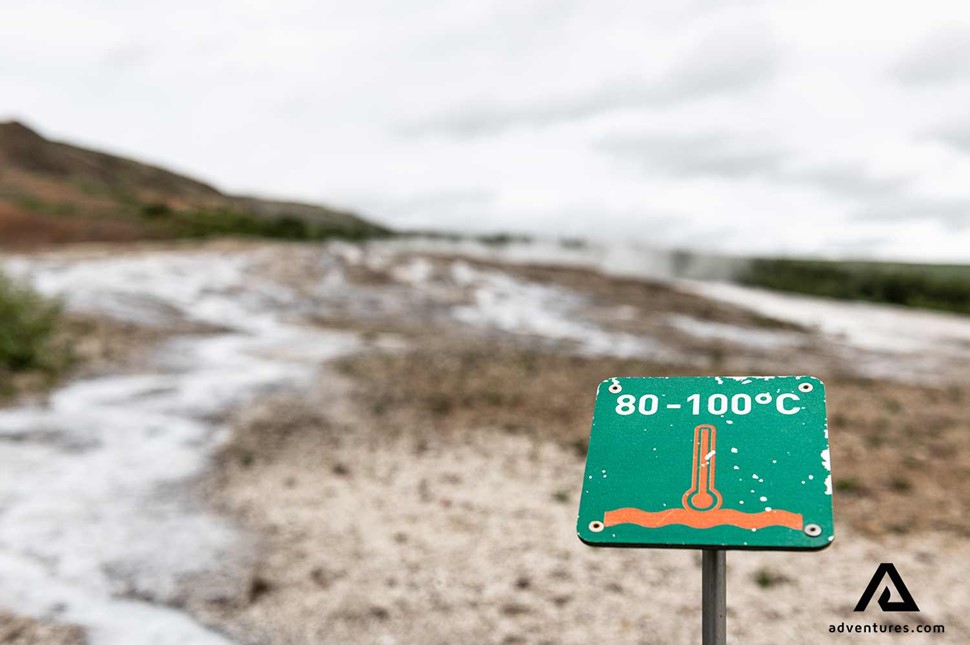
x=702, y=495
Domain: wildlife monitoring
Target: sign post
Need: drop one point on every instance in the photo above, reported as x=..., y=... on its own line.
x=714, y=597
x=713, y=463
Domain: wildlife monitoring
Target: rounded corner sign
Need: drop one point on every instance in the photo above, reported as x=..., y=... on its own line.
x=720, y=462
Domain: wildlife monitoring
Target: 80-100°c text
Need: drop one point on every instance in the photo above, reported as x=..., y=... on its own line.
x=717, y=404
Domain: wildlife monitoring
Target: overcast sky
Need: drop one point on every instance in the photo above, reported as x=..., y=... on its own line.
x=823, y=128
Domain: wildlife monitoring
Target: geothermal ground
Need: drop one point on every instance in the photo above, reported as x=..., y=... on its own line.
x=378, y=444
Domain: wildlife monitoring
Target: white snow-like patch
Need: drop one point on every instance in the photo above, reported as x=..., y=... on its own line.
x=415, y=271
x=746, y=336
x=504, y=303
x=893, y=341
x=621, y=258
x=98, y=526
x=866, y=325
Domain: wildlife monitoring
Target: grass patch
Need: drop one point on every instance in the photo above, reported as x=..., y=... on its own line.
x=943, y=287
x=901, y=484
x=29, y=324
x=562, y=496
x=465, y=384
x=848, y=485
x=34, y=204
x=224, y=222
x=766, y=578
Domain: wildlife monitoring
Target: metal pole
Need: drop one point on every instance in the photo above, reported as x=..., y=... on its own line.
x=714, y=597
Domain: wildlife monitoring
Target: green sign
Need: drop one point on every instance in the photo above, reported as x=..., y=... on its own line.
x=727, y=462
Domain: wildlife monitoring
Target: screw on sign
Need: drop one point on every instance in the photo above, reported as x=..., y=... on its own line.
x=709, y=462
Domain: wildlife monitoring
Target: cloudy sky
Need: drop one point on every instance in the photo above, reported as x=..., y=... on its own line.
x=813, y=128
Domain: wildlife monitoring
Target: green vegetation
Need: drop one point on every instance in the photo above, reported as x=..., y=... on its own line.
x=900, y=484
x=28, y=326
x=221, y=222
x=848, y=485
x=81, y=195
x=766, y=578
x=943, y=287
x=562, y=496
x=34, y=204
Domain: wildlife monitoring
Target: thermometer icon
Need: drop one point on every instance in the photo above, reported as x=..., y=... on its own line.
x=702, y=496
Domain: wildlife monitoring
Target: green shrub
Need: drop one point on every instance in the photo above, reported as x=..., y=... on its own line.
x=35, y=204
x=28, y=325
x=224, y=222
x=848, y=485
x=155, y=210
x=766, y=578
x=928, y=286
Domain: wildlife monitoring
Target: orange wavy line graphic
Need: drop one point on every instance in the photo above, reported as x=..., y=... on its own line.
x=703, y=519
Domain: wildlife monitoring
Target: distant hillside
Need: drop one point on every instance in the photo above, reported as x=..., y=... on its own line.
x=53, y=192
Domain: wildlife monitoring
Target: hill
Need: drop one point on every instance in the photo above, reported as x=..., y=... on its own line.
x=53, y=192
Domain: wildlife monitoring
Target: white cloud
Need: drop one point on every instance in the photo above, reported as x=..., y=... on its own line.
x=742, y=127
x=939, y=58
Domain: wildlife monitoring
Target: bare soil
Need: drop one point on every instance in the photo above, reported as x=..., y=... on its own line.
x=17, y=630
x=893, y=445
x=432, y=500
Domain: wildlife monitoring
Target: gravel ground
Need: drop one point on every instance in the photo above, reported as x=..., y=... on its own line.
x=17, y=630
